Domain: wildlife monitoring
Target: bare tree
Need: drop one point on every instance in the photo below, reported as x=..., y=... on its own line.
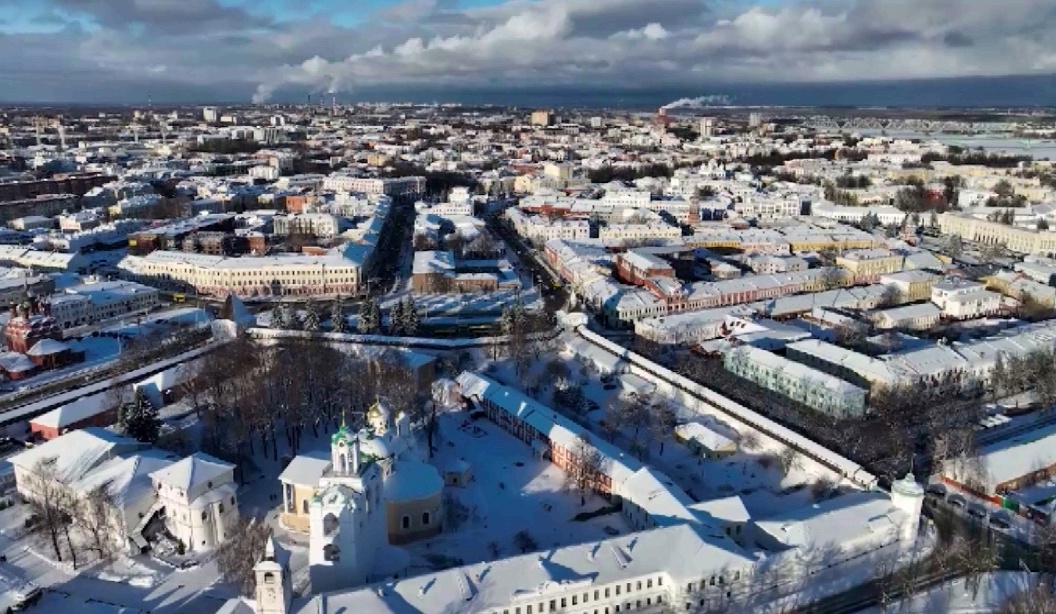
x=976, y=557
x=95, y=517
x=48, y=502
x=662, y=422
x=1035, y=599
x=890, y=297
x=632, y=413
x=584, y=467
x=238, y=553
x=833, y=277
x=749, y=440
x=191, y=386
x=789, y=459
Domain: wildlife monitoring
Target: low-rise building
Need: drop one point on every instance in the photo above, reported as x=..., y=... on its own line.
x=705, y=441
x=908, y=317
x=868, y=265
x=1001, y=468
x=914, y=285
x=963, y=299
x=815, y=389
x=95, y=302
x=198, y=498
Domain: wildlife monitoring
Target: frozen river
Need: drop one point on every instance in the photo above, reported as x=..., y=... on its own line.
x=1039, y=149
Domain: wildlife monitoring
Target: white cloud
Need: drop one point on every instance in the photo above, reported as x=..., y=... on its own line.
x=539, y=43
x=653, y=32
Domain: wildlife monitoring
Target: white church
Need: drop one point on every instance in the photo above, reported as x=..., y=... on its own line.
x=361, y=500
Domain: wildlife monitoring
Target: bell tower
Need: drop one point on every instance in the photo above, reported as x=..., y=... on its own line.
x=274, y=589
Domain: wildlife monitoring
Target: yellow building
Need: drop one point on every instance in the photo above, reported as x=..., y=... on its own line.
x=378, y=159
x=1019, y=240
x=705, y=441
x=299, y=481
x=541, y=118
x=413, y=502
x=870, y=263
x=913, y=285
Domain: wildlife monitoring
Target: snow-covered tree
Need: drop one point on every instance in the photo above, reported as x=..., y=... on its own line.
x=240, y=551
x=411, y=319
x=338, y=323
x=311, y=317
x=280, y=316
x=139, y=419
x=369, y=317
x=512, y=317
x=397, y=319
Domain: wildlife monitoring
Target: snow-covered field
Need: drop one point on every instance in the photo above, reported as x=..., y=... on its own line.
x=753, y=472
x=957, y=597
x=512, y=491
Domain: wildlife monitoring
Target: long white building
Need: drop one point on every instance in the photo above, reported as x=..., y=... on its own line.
x=95, y=302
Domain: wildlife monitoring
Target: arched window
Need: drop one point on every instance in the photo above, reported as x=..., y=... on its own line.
x=205, y=515
x=406, y=522
x=330, y=524
x=344, y=463
x=304, y=506
x=269, y=578
x=425, y=519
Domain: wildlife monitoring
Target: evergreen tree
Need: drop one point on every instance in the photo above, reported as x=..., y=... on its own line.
x=279, y=317
x=397, y=319
x=139, y=419
x=411, y=319
x=512, y=317
x=369, y=317
x=311, y=317
x=338, y=322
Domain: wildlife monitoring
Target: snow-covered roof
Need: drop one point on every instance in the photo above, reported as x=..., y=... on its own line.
x=1019, y=456
x=196, y=469
x=76, y=453
x=224, y=491
x=75, y=411
x=13, y=362
x=167, y=379
x=411, y=480
x=726, y=509
x=47, y=347
x=840, y=522
x=306, y=469
x=658, y=496
x=127, y=479
x=530, y=578
x=705, y=436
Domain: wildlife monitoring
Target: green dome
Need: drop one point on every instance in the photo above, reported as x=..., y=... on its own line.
x=342, y=434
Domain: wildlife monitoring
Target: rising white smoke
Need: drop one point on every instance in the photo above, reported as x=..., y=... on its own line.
x=714, y=100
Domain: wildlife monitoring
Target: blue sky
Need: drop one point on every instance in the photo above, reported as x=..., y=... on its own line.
x=182, y=50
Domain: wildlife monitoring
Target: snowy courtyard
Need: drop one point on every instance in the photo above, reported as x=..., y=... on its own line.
x=513, y=497
x=767, y=478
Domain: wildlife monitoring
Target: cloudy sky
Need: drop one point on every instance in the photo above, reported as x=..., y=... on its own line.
x=235, y=50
